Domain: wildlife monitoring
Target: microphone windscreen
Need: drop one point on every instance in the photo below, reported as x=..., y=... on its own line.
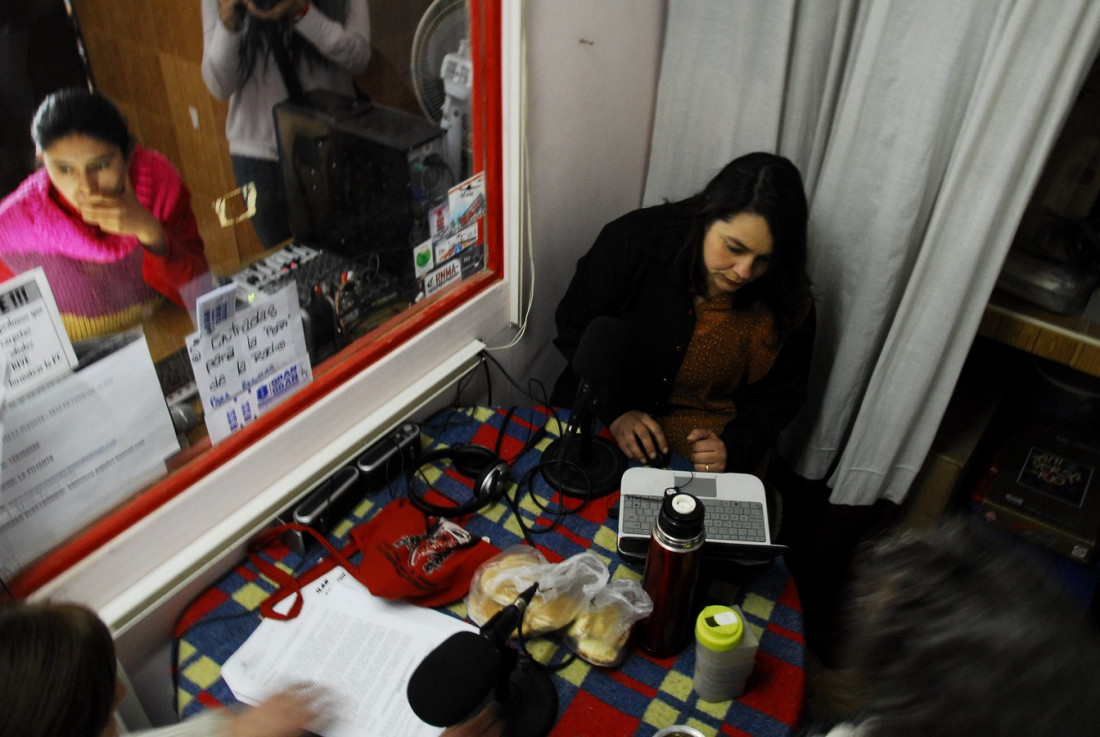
x=603, y=352
x=454, y=679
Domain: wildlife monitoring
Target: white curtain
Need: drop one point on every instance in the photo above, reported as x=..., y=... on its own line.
x=921, y=129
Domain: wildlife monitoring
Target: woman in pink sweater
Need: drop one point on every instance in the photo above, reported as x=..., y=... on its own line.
x=109, y=222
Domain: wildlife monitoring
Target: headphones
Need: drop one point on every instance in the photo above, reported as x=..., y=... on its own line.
x=489, y=472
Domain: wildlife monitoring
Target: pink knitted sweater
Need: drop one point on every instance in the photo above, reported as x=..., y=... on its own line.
x=105, y=282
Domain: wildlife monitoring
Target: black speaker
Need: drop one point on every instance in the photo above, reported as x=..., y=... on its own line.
x=361, y=178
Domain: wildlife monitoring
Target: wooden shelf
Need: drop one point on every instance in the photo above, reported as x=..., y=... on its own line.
x=984, y=383
x=1067, y=339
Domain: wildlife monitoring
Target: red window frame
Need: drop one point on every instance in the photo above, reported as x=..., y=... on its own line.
x=202, y=459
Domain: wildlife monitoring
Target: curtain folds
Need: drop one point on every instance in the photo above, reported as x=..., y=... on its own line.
x=921, y=130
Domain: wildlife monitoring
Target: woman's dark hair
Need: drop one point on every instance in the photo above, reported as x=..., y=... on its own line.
x=257, y=36
x=770, y=186
x=956, y=633
x=76, y=110
x=57, y=670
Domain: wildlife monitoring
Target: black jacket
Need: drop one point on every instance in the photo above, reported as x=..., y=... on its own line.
x=636, y=271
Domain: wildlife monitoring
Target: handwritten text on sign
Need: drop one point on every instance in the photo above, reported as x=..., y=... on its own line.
x=250, y=363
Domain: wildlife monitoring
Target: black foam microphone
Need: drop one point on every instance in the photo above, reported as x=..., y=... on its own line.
x=602, y=358
x=456, y=678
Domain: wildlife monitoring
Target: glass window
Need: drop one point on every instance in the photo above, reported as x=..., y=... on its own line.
x=403, y=194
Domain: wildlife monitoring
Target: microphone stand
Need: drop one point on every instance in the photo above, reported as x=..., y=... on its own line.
x=580, y=463
x=526, y=696
x=469, y=670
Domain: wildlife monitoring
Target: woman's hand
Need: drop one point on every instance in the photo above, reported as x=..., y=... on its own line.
x=639, y=436
x=286, y=714
x=708, y=452
x=278, y=10
x=231, y=13
x=487, y=723
x=122, y=214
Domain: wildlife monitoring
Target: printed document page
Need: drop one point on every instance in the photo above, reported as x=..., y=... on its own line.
x=77, y=448
x=358, y=648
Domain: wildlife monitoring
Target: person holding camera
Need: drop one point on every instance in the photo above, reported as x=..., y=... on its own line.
x=257, y=53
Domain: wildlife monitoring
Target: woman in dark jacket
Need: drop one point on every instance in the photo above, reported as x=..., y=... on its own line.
x=714, y=294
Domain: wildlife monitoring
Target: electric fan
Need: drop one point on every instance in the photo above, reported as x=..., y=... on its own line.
x=442, y=75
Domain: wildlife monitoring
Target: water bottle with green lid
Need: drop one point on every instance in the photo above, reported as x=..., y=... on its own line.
x=725, y=653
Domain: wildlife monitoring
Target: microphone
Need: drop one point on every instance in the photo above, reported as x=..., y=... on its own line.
x=601, y=359
x=184, y=418
x=454, y=679
x=501, y=625
x=580, y=464
x=604, y=349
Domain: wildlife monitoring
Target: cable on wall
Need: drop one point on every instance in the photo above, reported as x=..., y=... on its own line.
x=526, y=197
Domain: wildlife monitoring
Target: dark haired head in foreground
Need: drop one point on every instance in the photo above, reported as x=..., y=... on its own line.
x=954, y=633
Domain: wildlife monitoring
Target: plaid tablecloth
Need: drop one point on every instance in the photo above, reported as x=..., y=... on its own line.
x=639, y=697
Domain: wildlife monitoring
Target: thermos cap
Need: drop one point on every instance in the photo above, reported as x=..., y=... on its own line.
x=681, y=515
x=678, y=730
x=684, y=503
x=719, y=628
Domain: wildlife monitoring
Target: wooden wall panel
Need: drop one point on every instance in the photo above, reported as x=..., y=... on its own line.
x=387, y=79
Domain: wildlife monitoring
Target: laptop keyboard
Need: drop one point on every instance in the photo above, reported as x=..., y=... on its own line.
x=726, y=520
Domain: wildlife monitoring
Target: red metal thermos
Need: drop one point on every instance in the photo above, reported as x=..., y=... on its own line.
x=671, y=573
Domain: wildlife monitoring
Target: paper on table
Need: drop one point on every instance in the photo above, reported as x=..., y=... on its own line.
x=358, y=647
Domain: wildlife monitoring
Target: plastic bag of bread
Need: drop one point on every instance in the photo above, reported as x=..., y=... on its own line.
x=601, y=632
x=498, y=581
x=564, y=588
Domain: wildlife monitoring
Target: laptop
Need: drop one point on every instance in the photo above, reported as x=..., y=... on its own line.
x=736, y=517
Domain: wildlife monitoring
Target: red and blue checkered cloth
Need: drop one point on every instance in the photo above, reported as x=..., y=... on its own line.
x=639, y=697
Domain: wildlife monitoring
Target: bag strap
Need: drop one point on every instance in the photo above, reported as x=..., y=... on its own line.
x=286, y=582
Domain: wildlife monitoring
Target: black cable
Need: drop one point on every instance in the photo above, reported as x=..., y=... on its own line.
x=7, y=591
x=466, y=379
x=560, y=509
x=489, y=357
x=488, y=382
x=418, y=500
x=522, y=639
x=548, y=666
x=556, y=508
x=480, y=500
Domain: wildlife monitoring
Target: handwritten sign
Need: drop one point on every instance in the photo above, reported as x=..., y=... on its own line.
x=251, y=362
x=32, y=334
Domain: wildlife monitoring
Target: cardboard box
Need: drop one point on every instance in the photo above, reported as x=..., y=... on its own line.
x=1046, y=490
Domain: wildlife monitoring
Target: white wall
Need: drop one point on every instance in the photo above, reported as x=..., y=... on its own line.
x=591, y=93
